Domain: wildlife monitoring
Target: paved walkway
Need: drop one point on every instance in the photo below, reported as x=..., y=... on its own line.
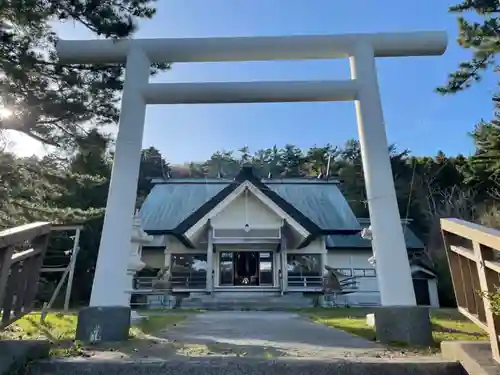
x=253, y=335
x=265, y=334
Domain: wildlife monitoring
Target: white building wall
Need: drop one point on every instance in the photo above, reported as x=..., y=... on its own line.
x=174, y=246
x=246, y=209
x=155, y=257
x=356, y=260
x=315, y=247
x=368, y=290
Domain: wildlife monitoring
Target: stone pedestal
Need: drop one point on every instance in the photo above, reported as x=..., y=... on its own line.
x=408, y=325
x=103, y=324
x=135, y=264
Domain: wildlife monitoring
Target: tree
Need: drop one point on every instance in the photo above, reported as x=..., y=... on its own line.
x=484, y=166
x=50, y=101
x=153, y=165
x=292, y=161
x=483, y=38
x=319, y=159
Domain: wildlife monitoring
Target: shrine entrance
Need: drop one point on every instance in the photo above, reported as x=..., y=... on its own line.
x=246, y=268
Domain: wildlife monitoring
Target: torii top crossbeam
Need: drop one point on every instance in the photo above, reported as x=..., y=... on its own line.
x=300, y=47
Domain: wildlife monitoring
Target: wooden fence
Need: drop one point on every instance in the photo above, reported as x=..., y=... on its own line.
x=22, y=250
x=473, y=253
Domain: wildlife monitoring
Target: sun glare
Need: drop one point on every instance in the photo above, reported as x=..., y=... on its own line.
x=5, y=113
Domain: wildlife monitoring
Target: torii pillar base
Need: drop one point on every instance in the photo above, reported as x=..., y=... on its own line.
x=405, y=325
x=103, y=324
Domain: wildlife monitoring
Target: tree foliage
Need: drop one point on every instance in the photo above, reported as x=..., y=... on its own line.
x=482, y=38
x=51, y=101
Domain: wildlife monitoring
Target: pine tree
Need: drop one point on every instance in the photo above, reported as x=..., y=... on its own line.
x=482, y=38
x=50, y=101
x=484, y=165
x=54, y=189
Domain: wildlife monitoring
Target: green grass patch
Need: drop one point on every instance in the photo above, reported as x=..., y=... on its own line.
x=156, y=323
x=447, y=324
x=59, y=327
x=55, y=327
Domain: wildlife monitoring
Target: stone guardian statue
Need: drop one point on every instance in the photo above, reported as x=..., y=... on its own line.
x=163, y=280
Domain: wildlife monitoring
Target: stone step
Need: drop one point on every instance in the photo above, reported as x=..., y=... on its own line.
x=239, y=366
x=246, y=301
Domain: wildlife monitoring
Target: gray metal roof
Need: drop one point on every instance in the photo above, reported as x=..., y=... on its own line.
x=322, y=203
x=355, y=241
x=167, y=205
x=171, y=202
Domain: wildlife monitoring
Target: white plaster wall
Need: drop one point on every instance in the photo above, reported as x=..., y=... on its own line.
x=315, y=247
x=174, y=246
x=159, y=240
x=153, y=258
x=236, y=214
x=368, y=291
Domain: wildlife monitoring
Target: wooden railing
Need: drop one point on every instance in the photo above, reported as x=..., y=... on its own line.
x=22, y=250
x=473, y=253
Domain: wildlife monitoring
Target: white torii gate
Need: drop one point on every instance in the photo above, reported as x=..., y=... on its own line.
x=394, y=276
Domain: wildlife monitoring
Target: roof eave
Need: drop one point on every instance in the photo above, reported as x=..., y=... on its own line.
x=183, y=239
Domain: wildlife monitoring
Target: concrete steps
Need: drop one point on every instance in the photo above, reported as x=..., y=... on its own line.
x=254, y=300
x=240, y=366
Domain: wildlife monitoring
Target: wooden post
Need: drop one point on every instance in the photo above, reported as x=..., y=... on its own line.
x=39, y=244
x=56, y=292
x=72, y=264
x=5, y=262
x=491, y=320
x=10, y=292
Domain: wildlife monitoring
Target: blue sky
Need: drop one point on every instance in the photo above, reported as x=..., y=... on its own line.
x=416, y=117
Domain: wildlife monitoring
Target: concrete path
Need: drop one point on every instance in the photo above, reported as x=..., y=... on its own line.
x=265, y=334
x=254, y=334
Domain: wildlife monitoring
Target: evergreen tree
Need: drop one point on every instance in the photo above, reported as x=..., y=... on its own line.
x=50, y=101
x=482, y=38
x=484, y=166
x=153, y=165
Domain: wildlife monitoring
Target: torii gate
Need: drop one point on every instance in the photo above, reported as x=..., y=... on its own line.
x=394, y=276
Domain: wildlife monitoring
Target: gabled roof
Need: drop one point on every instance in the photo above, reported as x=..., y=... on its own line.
x=175, y=205
x=355, y=241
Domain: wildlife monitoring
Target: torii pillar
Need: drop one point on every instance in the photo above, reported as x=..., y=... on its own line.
x=394, y=275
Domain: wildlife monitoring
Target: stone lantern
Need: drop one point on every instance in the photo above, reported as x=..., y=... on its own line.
x=135, y=264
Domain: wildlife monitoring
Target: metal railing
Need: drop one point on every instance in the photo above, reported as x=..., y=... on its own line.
x=473, y=253
x=22, y=250
x=300, y=281
x=179, y=281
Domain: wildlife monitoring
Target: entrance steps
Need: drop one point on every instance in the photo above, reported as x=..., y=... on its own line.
x=246, y=300
x=239, y=366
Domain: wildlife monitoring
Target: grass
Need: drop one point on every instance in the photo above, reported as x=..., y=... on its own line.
x=59, y=327
x=447, y=324
x=56, y=327
x=155, y=323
